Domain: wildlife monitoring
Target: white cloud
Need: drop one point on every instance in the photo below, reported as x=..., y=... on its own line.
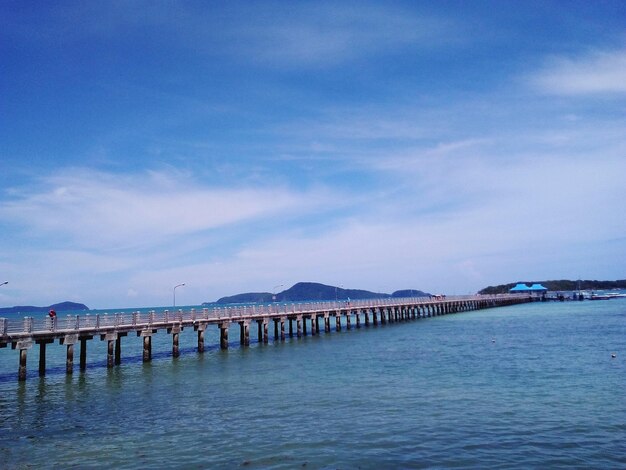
x=326, y=34
x=100, y=210
x=592, y=74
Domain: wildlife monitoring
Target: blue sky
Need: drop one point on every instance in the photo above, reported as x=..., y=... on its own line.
x=239, y=146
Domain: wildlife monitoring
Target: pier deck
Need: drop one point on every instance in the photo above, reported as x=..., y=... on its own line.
x=74, y=329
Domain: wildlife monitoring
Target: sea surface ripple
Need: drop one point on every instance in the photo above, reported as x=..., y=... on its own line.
x=527, y=386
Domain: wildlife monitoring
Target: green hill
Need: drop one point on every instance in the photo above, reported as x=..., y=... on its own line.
x=313, y=291
x=60, y=307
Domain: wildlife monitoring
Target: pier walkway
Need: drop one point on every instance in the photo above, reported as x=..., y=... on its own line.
x=23, y=334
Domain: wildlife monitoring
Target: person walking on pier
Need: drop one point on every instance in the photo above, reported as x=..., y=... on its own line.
x=53, y=317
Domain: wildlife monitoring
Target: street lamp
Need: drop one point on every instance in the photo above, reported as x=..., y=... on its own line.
x=274, y=291
x=179, y=285
x=5, y=282
x=336, y=298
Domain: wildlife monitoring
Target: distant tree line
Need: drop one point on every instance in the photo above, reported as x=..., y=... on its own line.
x=564, y=285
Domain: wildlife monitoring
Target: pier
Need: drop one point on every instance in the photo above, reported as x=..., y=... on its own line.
x=308, y=318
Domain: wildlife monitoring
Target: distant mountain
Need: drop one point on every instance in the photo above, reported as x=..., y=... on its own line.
x=313, y=291
x=247, y=298
x=60, y=307
x=562, y=285
x=409, y=293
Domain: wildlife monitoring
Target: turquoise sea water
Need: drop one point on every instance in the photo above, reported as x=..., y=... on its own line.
x=528, y=386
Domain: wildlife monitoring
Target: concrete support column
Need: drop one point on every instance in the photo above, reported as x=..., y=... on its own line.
x=299, y=326
x=276, y=324
x=348, y=320
x=366, y=313
x=201, y=340
x=242, y=333
x=338, y=321
x=290, y=327
x=383, y=320
x=21, y=371
x=69, y=361
x=327, y=323
x=374, y=317
x=313, y=317
x=223, y=335
x=147, y=348
x=260, y=330
x=266, y=336
x=83, y=354
x=118, y=350
x=282, y=328
x=110, y=358
x=304, y=326
x=246, y=333
x=317, y=325
x=175, y=347
x=358, y=318
x=42, y=359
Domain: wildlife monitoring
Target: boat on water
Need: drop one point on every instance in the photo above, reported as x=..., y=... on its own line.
x=605, y=296
x=599, y=297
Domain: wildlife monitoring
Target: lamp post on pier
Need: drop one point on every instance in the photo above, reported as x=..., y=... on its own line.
x=274, y=292
x=179, y=285
x=5, y=282
x=340, y=287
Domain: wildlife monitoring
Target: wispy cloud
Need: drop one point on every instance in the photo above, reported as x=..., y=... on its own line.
x=325, y=34
x=315, y=35
x=599, y=72
x=96, y=209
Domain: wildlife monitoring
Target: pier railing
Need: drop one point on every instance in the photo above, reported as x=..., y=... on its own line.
x=30, y=326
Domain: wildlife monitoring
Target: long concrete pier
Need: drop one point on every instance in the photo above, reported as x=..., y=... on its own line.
x=73, y=330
